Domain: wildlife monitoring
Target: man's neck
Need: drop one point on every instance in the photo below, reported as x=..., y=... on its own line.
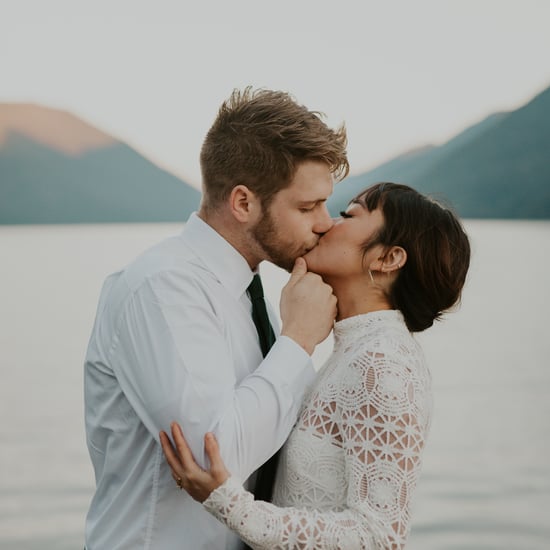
x=232, y=231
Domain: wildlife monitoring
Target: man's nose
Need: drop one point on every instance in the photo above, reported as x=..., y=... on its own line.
x=324, y=222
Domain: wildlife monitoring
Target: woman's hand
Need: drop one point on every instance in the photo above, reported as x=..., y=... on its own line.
x=188, y=474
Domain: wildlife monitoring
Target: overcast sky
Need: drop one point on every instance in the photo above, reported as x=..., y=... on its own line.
x=399, y=74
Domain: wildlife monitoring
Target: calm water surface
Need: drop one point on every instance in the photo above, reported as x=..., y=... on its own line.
x=486, y=479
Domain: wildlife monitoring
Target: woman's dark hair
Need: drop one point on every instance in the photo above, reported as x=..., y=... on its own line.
x=438, y=251
x=259, y=139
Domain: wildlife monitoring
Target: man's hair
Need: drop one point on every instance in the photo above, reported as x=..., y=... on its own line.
x=438, y=251
x=259, y=139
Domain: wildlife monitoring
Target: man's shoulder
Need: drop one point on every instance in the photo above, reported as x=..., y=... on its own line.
x=169, y=255
x=169, y=263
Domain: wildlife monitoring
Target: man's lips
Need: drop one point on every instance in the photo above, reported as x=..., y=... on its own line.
x=312, y=247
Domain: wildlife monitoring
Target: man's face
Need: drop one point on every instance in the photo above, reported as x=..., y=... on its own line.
x=297, y=217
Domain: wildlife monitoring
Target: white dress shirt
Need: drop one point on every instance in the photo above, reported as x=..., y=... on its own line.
x=174, y=340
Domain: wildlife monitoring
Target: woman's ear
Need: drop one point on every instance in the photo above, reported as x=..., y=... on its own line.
x=243, y=204
x=394, y=259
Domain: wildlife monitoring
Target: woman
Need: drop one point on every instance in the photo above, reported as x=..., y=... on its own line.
x=395, y=260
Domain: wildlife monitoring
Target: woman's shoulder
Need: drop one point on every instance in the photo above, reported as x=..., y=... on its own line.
x=384, y=338
x=390, y=362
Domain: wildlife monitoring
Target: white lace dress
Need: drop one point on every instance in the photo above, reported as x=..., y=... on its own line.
x=350, y=466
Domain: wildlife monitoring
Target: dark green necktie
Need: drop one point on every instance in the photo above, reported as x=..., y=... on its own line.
x=259, y=315
x=266, y=473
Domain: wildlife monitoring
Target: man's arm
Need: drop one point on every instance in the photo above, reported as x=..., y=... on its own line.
x=173, y=363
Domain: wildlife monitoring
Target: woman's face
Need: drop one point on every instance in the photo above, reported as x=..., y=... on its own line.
x=340, y=250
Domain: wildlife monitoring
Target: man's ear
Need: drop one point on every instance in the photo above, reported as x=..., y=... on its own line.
x=244, y=204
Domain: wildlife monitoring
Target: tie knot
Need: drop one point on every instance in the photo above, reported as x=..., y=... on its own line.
x=255, y=288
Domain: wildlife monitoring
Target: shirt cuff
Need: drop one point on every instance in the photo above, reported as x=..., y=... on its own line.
x=289, y=364
x=229, y=486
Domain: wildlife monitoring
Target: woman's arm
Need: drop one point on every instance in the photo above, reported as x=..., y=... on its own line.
x=382, y=441
x=261, y=525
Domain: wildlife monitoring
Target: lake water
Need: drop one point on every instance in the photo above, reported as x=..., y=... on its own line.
x=486, y=478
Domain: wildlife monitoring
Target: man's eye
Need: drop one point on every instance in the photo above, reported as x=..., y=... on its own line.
x=344, y=214
x=303, y=209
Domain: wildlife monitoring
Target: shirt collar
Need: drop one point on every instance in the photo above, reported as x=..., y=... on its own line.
x=220, y=257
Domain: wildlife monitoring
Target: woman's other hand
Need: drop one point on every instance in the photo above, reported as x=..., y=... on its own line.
x=187, y=473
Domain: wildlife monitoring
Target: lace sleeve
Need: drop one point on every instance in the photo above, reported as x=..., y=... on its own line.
x=383, y=419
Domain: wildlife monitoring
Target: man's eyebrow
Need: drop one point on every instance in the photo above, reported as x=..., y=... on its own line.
x=312, y=201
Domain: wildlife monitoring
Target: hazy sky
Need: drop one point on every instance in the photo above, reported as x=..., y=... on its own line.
x=399, y=74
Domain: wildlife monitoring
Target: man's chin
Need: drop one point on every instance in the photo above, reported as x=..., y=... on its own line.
x=284, y=263
x=287, y=263
x=309, y=252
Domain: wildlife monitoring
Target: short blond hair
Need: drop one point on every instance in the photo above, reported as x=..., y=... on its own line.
x=259, y=139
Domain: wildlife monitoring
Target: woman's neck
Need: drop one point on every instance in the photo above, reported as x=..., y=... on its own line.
x=358, y=298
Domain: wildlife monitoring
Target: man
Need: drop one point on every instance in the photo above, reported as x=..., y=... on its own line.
x=174, y=338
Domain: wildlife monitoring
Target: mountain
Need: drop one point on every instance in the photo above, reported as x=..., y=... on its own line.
x=56, y=168
x=498, y=168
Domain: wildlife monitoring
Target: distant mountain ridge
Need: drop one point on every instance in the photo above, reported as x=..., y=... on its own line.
x=53, y=128
x=56, y=168
x=498, y=168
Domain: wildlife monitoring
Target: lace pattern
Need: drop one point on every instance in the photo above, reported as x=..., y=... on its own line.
x=351, y=463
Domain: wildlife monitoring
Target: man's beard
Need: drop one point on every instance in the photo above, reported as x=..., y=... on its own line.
x=266, y=235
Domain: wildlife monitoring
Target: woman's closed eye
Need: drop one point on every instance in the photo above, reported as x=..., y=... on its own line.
x=344, y=214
